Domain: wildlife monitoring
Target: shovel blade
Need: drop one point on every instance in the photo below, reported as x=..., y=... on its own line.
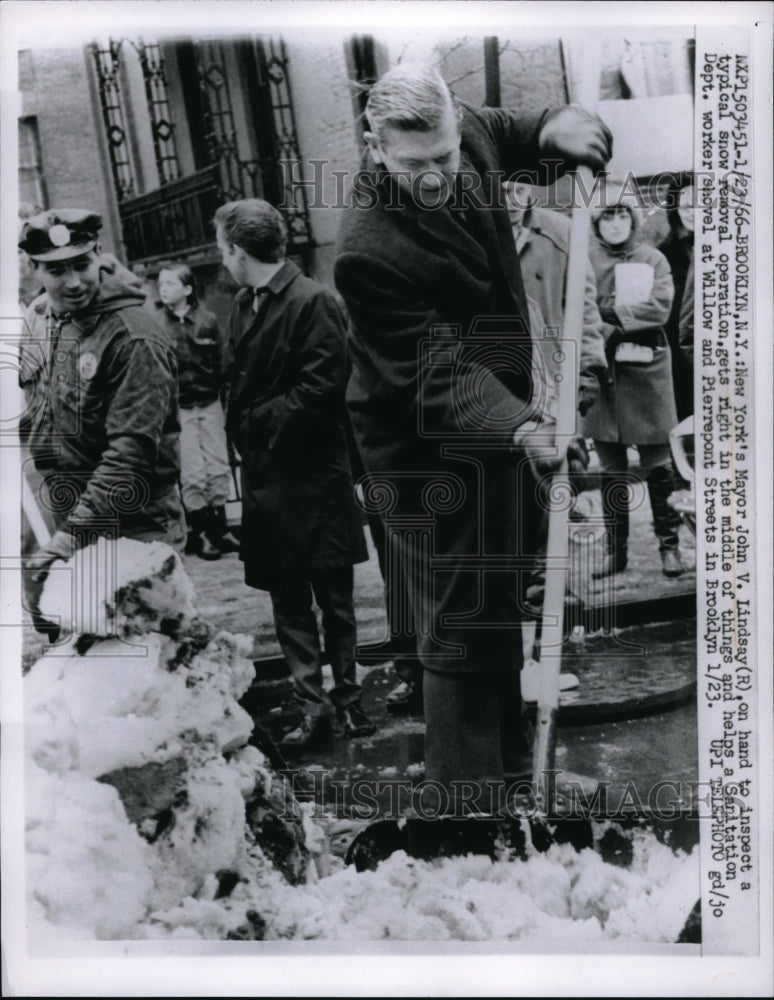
x=447, y=836
x=426, y=839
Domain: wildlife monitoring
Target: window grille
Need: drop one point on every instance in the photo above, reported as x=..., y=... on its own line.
x=162, y=126
x=108, y=66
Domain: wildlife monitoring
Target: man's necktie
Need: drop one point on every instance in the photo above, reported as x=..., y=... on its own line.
x=258, y=295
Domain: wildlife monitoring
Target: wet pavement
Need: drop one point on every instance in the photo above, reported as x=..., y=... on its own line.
x=632, y=722
x=631, y=726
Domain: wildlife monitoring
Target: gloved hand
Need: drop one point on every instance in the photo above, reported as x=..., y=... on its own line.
x=576, y=136
x=577, y=455
x=538, y=442
x=609, y=315
x=35, y=570
x=611, y=343
x=588, y=392
x=537, y=439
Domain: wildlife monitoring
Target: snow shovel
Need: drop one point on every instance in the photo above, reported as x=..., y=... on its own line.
x=557, y=549
x=521, y=834
x=422, y=837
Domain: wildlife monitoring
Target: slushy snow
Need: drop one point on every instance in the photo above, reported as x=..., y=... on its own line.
x=142, y=702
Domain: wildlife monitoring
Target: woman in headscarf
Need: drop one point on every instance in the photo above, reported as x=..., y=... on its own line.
x=637, y=406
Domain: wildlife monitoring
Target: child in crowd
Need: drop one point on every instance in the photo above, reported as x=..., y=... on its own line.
x=205, y=473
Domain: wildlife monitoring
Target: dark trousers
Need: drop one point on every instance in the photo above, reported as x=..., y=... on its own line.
x=656, y=464
x=296, y=626
x=407, y=664
x=477, y=733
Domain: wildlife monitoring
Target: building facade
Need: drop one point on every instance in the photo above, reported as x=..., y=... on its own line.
x=156, y=134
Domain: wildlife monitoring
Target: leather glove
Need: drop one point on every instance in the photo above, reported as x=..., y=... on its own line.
x=576, y=136
x=609, y=316
x=588, y=392
x=537, y=439
x=35, y=570
x=577, y=455
x=611, y=343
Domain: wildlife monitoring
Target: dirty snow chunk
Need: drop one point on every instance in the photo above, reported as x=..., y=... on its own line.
x=208, y=834
x=251, y=769
x=87, y=868
x=197, y=919
x=120, y=587
x=119, y=705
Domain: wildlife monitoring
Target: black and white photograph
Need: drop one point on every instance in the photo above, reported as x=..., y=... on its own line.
x=386, y=462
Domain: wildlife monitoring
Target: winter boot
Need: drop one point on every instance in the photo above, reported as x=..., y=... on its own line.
x=192, y=539
x=615, y=512
x=666, y=520
x=218, y=530
x=203, y=547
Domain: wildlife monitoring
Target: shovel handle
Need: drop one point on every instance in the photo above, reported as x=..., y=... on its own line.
x=557, y=550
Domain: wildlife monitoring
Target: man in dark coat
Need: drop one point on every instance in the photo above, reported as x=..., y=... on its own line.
x=100, y=381
x=441, y=394
x=286, y=416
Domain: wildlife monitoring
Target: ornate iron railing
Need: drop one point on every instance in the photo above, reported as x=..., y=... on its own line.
x=296, y=211
x=173, y=218
x=254, y=177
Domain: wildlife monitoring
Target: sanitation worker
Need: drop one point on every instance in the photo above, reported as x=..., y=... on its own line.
x=100, y=381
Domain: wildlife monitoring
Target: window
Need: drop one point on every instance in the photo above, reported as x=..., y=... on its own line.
x=32, y=188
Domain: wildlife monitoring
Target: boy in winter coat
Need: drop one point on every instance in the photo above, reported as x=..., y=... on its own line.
x=204, y=470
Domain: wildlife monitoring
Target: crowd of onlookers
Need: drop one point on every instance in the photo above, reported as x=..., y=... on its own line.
x=265, y=395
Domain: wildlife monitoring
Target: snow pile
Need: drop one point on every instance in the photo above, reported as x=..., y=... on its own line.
x=561, y=897
x=120, y=587
x=150, y=815
x=122, y=705
x=138, y=768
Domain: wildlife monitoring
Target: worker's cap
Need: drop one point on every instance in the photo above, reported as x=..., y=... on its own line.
x=60, y=233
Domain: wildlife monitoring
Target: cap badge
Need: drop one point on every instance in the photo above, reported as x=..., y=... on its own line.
x=59, y=235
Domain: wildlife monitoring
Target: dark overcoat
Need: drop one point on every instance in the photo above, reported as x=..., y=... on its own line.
x=441, y=379
x=287, y=418
x=678, y=250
